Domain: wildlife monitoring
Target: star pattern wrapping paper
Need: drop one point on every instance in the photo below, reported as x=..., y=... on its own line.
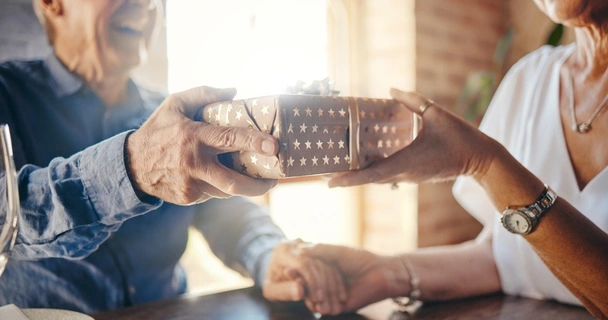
x=316, y=134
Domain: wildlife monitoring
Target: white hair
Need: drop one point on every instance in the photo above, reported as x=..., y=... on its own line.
x=43, y=21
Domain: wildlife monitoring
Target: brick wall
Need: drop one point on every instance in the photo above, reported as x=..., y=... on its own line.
x=454, y=39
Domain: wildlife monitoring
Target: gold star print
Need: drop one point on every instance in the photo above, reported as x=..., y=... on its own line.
x=307, y=143
x=320, y=112
x=319, y=144
x=362, y=113
x=397, y=142
x=217, y=116
x=314, y=128
x=340, y=144
x=385, y=129
x=302, y=161
x=393, y=129
x=347, y=159
x=210, y=112
x=372, y=115
x=296, y=144
x=336, y=160
x=379, y=144
x=314, y=161
x=254, y=103
x=331, y=113
x=265, y=128
x=267, y=167
x=239, y=115
x=381, y=114
x=325, y=160
x=376, y=127
x=290, y=162
x=303, y=128
x=290, y=129
x=342, y=113
x=337, y=128
x=257, y=175
x=325, y=129
x=388, y=144
x=265, y=110
x=229, y=107
x=331, y=144
x=308, y=112
x=254, y=160
x=296, y=112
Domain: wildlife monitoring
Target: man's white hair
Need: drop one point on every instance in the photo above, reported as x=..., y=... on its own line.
x=43, y=21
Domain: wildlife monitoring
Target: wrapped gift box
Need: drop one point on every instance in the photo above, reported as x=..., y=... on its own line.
x=317, y=134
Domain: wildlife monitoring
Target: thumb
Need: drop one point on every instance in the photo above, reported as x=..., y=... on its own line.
x=190, y=101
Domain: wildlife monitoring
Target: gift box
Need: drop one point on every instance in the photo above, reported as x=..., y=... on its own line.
x=316, y=134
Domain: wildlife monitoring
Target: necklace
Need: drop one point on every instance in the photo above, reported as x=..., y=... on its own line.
x=585, y=126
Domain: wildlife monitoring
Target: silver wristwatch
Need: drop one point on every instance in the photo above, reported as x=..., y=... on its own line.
x=524, y=220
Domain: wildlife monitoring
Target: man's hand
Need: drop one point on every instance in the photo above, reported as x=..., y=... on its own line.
x=174, y=158
x=292, y=277
x=369, y=277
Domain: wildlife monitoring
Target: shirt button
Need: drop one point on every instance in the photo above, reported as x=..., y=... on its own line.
x=132, y=290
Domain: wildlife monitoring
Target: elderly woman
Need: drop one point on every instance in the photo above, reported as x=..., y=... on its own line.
x=541, y=153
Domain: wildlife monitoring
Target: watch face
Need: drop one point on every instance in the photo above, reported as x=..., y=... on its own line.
x=516, y=222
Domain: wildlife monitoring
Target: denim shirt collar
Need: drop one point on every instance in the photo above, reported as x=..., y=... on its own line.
x=64, y=82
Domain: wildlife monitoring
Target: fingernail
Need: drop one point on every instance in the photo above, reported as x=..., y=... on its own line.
x=268, y=147
x=333, y=183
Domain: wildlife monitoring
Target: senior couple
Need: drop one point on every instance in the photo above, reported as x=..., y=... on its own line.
x=111, y=176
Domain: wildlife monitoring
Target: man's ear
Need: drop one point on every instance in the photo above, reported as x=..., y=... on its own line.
x=51, y=8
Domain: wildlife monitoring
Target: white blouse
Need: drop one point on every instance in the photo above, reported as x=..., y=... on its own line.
x=524, y=116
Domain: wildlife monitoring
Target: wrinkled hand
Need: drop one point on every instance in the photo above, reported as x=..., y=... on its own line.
x=447, y=146
x=174, y=158
x=293, y=277
x=369, y=277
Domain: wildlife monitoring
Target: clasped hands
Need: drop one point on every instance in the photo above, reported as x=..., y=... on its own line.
x=332, y=279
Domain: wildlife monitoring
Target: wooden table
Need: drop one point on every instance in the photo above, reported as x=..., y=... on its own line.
x=248, y=304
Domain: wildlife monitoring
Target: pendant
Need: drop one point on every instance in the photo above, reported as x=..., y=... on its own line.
x=584, y=127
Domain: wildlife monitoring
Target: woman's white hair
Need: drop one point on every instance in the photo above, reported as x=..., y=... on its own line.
x=43, y=21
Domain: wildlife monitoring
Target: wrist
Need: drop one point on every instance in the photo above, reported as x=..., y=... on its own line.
x=398, y=278
x=507, y=182
x=129, y=165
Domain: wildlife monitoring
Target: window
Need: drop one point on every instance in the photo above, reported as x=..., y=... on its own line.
x=259, y=47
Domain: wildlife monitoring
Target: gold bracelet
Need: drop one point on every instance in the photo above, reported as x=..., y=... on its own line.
x=412, y=301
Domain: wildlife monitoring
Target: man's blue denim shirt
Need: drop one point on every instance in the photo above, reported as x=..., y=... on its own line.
x=98, y=245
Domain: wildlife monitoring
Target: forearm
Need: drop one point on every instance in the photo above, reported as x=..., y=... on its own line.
x=455, y=271
x=572, y=246
x=71, y=206
x=240, y=233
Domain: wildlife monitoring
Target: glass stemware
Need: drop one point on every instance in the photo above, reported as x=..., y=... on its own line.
x=9, y=197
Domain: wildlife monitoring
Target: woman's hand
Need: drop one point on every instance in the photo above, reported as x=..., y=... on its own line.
x=368, y=277
x=446, y=147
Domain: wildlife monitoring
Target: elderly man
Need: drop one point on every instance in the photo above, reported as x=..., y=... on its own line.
x=107, y=203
